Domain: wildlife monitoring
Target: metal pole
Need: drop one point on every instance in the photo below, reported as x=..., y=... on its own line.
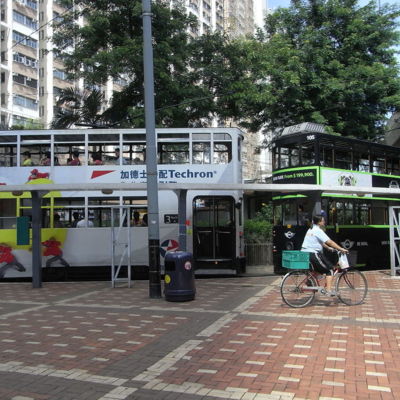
x=36, y=239
x=151, y=155
x=182, y=218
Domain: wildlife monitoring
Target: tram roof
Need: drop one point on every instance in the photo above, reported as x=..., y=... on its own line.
x=336, y=140
x=71, y=135
x=246, y=188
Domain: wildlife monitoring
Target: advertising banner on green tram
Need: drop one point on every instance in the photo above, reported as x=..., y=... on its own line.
x=336, y=177
x=330, y=176
x=296, y=175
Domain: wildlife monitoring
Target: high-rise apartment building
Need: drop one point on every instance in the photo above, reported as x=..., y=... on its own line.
x=19, y=61
x=31, y=76
x=234, y=17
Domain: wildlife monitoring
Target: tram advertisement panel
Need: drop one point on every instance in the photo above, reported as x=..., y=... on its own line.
x=115, y=174
x=306, y=175
x=336, y=177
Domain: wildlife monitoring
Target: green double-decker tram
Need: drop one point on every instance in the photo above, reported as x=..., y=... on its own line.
x=305, y=154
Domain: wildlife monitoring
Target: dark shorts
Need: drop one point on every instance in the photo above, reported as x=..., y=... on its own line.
x=321, y=263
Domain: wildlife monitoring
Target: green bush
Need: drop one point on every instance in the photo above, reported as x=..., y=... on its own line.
x=259, y=228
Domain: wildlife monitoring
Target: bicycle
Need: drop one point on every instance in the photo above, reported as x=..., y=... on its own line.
x=298, y=287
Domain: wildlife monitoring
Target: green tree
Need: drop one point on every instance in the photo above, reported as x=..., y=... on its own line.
x=327, y=61
x=110, y=45
x=79, y=107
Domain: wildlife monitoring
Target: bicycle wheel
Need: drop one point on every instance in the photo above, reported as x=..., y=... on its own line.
x=295, y=290
x=352, y=287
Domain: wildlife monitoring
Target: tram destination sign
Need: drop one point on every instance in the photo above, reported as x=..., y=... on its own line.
x=308, y=176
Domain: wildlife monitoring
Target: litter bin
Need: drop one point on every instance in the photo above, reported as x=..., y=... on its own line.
x=179, y=277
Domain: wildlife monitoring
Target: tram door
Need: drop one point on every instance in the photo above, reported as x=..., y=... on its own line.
x=214, y=229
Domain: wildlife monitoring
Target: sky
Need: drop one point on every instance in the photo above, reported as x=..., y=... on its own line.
x=285, y=3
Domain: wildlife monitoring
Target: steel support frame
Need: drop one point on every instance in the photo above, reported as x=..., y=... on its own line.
x=118, y=241
x=394, y=230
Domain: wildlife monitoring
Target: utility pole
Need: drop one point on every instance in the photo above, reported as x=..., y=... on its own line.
x=151, y=155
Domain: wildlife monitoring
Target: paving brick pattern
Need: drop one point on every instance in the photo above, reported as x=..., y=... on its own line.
x=236, y=340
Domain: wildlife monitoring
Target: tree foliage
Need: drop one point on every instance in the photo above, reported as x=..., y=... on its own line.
x=328, y=61
x=79, y=107
x=190, y=83
x=259, y=228
x=325, y=61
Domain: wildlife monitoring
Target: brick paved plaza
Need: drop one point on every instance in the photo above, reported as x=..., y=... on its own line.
x=237, y=340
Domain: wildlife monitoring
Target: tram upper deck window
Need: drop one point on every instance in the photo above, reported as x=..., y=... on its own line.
x=343, y=159
x=326, y=155
x=101, y=148
x=378, y=163
x=307, y=154
x=222, y=153
x=8, y=155
x=283, y=160
x=289, y=156
x=275, y=157
x=33, y=149
x=294, y=157
x=201, y=153
x=201, y=148
x=393, y=165
x=66, y=145
x=222, y=148
x=137, y=153
x=134, y=148
x=169, y=135
x=361, y=162
x=201, y=137
x=219, y=137
x=173, y=153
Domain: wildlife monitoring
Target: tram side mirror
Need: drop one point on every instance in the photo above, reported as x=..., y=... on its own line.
x=238, y=205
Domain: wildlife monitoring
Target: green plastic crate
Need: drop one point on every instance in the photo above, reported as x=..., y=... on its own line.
x=294, y=259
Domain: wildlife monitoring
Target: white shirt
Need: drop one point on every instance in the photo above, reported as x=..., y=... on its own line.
x=82, y=224
x=314, y=239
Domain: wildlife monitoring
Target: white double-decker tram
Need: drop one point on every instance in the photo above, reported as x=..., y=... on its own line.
x=76, y=224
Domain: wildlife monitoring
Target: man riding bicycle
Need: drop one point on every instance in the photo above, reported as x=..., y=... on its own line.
x=314, y=242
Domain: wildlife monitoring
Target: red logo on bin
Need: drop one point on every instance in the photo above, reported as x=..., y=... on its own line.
x=188, y=265
x=168, y=245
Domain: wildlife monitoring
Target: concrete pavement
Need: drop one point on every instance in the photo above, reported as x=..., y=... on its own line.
x=236, y=340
